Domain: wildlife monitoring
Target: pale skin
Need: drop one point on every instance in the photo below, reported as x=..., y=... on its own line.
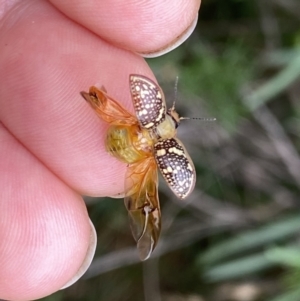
x=51, y=141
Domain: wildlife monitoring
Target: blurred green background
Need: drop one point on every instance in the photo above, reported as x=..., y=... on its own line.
x=236, y=238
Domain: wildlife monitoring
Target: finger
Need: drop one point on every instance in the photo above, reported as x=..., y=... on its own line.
x=45, y=62
x=140, y=26
x=44, y=228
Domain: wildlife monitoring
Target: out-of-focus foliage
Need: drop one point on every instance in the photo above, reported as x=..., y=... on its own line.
x=237, y=236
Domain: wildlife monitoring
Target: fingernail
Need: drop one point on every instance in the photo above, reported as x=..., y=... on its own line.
x=174, y=44
x=88, y=259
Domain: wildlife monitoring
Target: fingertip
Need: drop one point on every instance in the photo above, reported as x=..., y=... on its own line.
x=87, y=260
x=44, y=230
x=46, y=112
x=173, y=44
x=141, y=27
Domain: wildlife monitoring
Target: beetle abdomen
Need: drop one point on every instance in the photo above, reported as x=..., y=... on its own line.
x=128, y=143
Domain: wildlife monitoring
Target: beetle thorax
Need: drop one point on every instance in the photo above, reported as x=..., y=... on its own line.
x=166, y=129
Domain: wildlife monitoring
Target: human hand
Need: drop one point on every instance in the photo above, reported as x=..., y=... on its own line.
x=52, y=143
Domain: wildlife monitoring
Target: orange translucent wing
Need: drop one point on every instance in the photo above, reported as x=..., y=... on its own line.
x=107, y=108
x=142, y=203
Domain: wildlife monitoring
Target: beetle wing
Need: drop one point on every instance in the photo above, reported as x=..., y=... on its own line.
x=176, y=166
x=142, y=203
x=148, y=100
x=107, y=108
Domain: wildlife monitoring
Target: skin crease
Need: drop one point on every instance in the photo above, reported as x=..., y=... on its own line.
x=51, y=142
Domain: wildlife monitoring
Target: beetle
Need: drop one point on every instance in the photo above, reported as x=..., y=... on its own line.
x=146, y=142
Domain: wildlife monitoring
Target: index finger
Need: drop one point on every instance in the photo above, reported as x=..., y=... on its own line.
x=140, y=26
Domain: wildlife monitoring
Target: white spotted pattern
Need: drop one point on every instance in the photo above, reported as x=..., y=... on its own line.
x=175, y=166
x=148, y=100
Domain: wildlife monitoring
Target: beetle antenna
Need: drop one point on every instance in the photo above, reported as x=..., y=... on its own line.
x=174, y=103
x=199, y=118
x=175, y=92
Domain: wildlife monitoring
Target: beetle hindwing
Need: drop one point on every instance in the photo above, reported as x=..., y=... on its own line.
x=141, y=201
x=148, y=100
x=176, y=166
x=107, y=108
